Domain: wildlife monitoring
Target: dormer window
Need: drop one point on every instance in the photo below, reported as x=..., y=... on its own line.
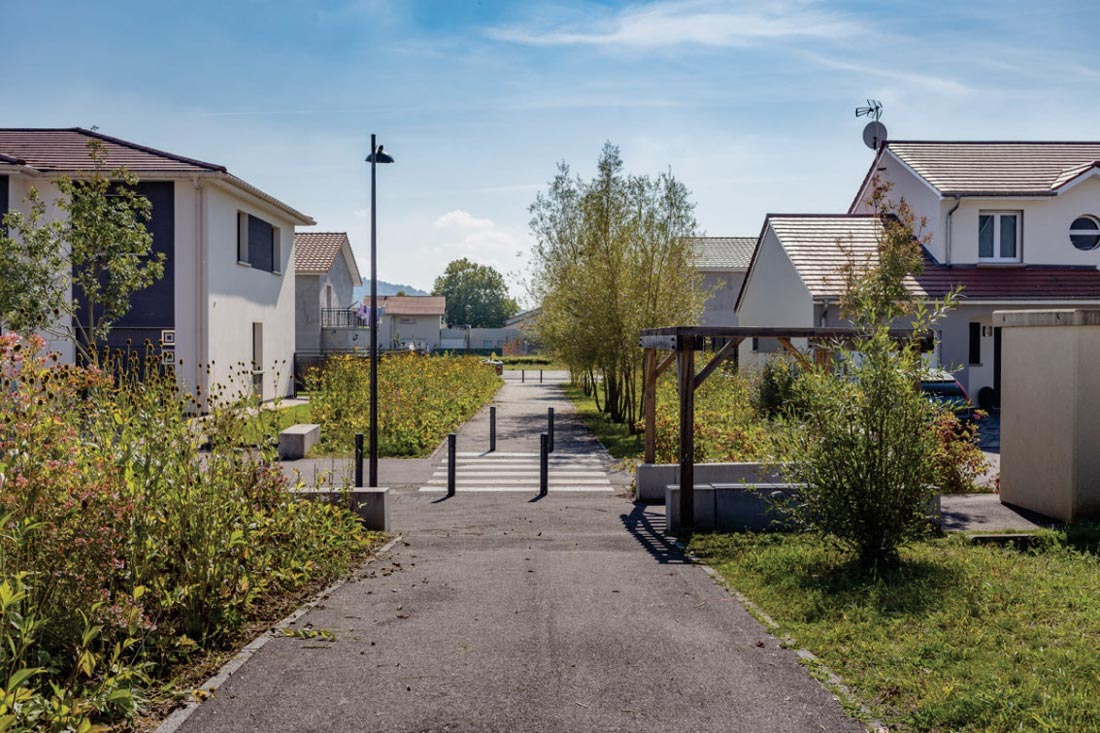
x=1084, y=233
x=999, y=236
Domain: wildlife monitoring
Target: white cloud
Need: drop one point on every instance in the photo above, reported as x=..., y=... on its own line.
x=932, y=83
x=700, y=22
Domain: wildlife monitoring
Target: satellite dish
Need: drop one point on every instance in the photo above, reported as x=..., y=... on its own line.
x=874, y=135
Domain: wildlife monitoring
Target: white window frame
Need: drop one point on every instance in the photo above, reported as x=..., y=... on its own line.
x=242, y=239
x=1084, y=232
x=997, y=258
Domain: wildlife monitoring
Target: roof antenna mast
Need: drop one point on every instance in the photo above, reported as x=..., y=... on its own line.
x=874, y=134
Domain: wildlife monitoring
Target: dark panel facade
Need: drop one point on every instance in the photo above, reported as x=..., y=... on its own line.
x=153, y=309
x=261, y=244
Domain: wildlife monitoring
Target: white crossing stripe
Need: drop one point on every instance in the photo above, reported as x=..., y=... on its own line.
x=503, y=472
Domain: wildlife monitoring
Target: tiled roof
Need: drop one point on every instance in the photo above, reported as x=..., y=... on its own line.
x=818, y=246
x=315, y=252
x=412, y=305
x=66, y=150
x=997, y=168
x=723, y=253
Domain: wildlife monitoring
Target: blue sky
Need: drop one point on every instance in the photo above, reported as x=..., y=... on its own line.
x=749, y=103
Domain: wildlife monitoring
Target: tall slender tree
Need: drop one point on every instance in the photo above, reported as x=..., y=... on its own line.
x=610, y=259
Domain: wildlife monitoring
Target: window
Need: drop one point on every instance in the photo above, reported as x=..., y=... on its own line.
x=3, y=196
x=999, y=236
x=1084, y=233
x=258, y=243
x=242, y=238
x=975, y=342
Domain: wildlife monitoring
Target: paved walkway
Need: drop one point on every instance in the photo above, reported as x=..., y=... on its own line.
x=500, y=611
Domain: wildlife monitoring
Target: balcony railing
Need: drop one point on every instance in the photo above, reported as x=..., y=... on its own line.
x=342, y=318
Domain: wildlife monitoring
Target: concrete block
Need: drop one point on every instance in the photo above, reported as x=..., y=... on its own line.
x=652, y=478
x=704, y=507
x=295, y=441
x=371, y=504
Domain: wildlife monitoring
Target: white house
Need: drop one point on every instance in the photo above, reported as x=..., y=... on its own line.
x=227, y=295
x=722, y=262
x=414, y=321
x=1016, y=224
x=326, y=276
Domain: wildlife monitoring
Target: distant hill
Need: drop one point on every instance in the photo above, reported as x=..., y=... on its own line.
x=385, y=288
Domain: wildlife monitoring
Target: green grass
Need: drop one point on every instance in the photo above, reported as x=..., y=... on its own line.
x=957, y=638
x=616, y=438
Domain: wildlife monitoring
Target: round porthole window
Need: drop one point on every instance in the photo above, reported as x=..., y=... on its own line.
x=1084, y=233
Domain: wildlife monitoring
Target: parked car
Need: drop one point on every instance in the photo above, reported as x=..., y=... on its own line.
x=942, y=388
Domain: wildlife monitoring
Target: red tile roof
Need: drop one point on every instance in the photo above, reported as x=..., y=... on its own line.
x=818, y=246
x=996, y=168
x=412, y=305
x=315, y=252
x=66, y=150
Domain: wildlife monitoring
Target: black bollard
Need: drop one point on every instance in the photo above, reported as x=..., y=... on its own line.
x=492, y=428
x=550, y=428
x=540, y=376
x=451, y=441
x=358, y=460
x=522, y=376
x=544, y=465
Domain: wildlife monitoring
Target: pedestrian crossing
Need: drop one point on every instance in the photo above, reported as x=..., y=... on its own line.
x=519, y=472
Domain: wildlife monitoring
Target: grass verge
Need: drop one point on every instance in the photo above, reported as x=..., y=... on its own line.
x=957, y=638
x=616, y=437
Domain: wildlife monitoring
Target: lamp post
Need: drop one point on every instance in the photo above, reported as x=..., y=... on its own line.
x=376, y=156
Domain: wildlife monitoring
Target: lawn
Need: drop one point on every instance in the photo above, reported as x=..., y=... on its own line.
x=959, y=637
x=615, y=437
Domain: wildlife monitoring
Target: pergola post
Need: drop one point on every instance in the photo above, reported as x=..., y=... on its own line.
x=649, y=395
x=685, y=363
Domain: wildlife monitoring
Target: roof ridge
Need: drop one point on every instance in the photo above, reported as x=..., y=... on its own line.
x=152, y=151
x=993, y=142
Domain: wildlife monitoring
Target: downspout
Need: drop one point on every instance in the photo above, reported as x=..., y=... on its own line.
x=947, y=234
x=202, y=344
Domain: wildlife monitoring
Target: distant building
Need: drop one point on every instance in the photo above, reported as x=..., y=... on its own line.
x=227, y=293
x=326, y=277
x=723, y=262
x=410, y=321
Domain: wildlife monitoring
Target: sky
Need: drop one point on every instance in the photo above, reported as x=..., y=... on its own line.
x=750, y=104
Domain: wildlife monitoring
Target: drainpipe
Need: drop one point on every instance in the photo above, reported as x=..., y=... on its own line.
x=202, y=345
x=947, y=233
x=824, y=313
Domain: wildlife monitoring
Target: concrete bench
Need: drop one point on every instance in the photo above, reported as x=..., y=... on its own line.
x=371, y=504
x=295, y=441
x=733, y=507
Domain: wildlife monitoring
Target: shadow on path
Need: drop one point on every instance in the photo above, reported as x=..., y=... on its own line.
x=648, y=527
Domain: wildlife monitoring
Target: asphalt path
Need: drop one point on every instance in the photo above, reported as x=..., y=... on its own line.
x=506, y=612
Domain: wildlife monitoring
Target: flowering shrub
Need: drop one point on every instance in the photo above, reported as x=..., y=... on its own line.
x=958, y=461
x=420, y=399
x=123, y=548
x=728, y=428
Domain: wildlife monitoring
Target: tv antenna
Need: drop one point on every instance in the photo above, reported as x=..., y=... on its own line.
x=874, y=134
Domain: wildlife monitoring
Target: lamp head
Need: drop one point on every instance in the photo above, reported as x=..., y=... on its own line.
x=379, y=156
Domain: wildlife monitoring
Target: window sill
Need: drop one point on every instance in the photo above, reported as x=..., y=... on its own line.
x=244, y=264
x=1000, y=263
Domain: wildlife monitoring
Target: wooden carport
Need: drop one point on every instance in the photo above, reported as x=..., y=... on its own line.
x=683, y=342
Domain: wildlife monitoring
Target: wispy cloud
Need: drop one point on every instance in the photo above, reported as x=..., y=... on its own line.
x=930, y=82
x=699, y=22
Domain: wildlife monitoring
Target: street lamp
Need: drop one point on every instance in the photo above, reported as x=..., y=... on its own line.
x=376, y=156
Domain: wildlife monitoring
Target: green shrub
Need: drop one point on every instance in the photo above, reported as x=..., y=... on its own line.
x=124, y=548
x=775, y=393
x=420, y=399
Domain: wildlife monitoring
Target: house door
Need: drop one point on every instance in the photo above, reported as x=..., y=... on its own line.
x=997, y=367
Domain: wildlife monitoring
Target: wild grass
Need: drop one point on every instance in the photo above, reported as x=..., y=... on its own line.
x=957, y=637
x=127, y=550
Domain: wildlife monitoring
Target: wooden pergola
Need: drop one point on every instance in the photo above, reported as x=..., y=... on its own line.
x=683, y=342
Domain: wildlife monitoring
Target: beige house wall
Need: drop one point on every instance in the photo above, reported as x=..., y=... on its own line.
x=1049, y=423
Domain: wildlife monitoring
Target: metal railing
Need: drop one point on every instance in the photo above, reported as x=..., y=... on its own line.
x=342, y=318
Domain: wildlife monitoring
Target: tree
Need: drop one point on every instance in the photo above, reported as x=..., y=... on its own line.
x=73, y=278
x=32, y=264
x=109, y=248
x=476, y=295
x=865, y=451
x=610, y=259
